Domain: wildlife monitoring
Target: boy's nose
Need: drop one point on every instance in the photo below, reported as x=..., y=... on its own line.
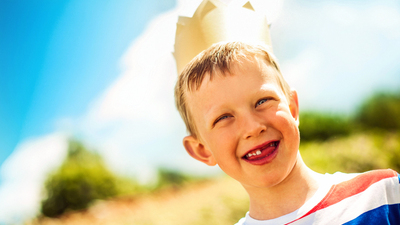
x=253, y=127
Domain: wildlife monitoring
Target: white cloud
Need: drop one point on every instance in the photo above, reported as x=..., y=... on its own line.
x=134, y=123
x=299, y=71
x=356, y=47
x=386, y=19
x=23, y=174
x=149, y=74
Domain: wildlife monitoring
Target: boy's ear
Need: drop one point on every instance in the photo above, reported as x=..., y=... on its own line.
x=198, y=151
x=294, y=105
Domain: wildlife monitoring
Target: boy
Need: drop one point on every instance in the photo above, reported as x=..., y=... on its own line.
x=242, y=115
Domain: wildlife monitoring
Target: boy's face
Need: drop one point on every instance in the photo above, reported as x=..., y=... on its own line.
x=246, y=125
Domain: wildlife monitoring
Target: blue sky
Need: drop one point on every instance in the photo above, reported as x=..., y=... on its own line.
x=56, y=56
x=103, y=71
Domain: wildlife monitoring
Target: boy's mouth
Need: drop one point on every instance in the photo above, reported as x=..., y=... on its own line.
x=262, y=154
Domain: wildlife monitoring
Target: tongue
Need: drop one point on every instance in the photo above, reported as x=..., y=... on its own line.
x=264, y=152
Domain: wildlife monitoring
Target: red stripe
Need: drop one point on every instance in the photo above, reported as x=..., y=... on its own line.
x=349, y=188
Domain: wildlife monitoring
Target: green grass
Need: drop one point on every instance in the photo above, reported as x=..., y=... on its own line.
x=356, y=153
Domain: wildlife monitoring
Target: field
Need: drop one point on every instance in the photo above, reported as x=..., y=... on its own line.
x=221, y=200
x=217, y=201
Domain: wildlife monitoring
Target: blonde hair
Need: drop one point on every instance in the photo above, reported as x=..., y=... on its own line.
x=218, y=58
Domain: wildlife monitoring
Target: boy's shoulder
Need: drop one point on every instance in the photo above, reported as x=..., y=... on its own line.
x=355, y=188
x=358, y=198
x=351, y=199
x=360, y=180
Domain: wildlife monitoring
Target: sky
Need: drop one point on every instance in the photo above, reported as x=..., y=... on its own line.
x=104, y=72
x=57, y=56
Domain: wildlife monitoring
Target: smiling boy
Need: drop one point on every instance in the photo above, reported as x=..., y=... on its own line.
x=242, y=116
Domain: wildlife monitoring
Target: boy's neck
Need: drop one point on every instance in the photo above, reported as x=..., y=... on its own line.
x=273, y=202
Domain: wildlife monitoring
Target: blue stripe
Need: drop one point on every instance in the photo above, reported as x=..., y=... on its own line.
x=383, y=215
x=398, y=175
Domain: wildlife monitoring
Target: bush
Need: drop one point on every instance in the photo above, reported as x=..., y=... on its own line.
x=322, y=126
x=82, y=178
x=358, y=152
x=172, y=178
x=381, y=110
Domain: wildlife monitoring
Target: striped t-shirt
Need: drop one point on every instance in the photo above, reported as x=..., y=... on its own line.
x=368, y=198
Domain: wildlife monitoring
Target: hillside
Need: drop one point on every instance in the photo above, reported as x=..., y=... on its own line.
x=218, y=201
x=222, y=200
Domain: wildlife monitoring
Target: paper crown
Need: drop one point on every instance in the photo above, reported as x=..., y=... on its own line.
x=215, y=21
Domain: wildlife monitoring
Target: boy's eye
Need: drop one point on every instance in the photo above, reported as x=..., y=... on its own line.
x=221, y=118
x=261, y=102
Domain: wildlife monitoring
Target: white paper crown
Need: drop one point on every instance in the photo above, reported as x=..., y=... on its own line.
x=215, y=21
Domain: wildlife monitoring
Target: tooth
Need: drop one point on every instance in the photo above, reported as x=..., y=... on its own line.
x=258, y=152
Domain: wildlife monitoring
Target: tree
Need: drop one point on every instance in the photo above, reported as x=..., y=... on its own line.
x=82, y=178
x=322, y=126
x=382, y=110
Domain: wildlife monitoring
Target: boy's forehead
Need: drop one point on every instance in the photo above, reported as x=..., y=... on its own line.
x=265, y=70
x=207, y=86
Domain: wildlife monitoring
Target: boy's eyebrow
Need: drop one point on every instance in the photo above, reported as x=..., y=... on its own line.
x=211, y=112
x=267, y=87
